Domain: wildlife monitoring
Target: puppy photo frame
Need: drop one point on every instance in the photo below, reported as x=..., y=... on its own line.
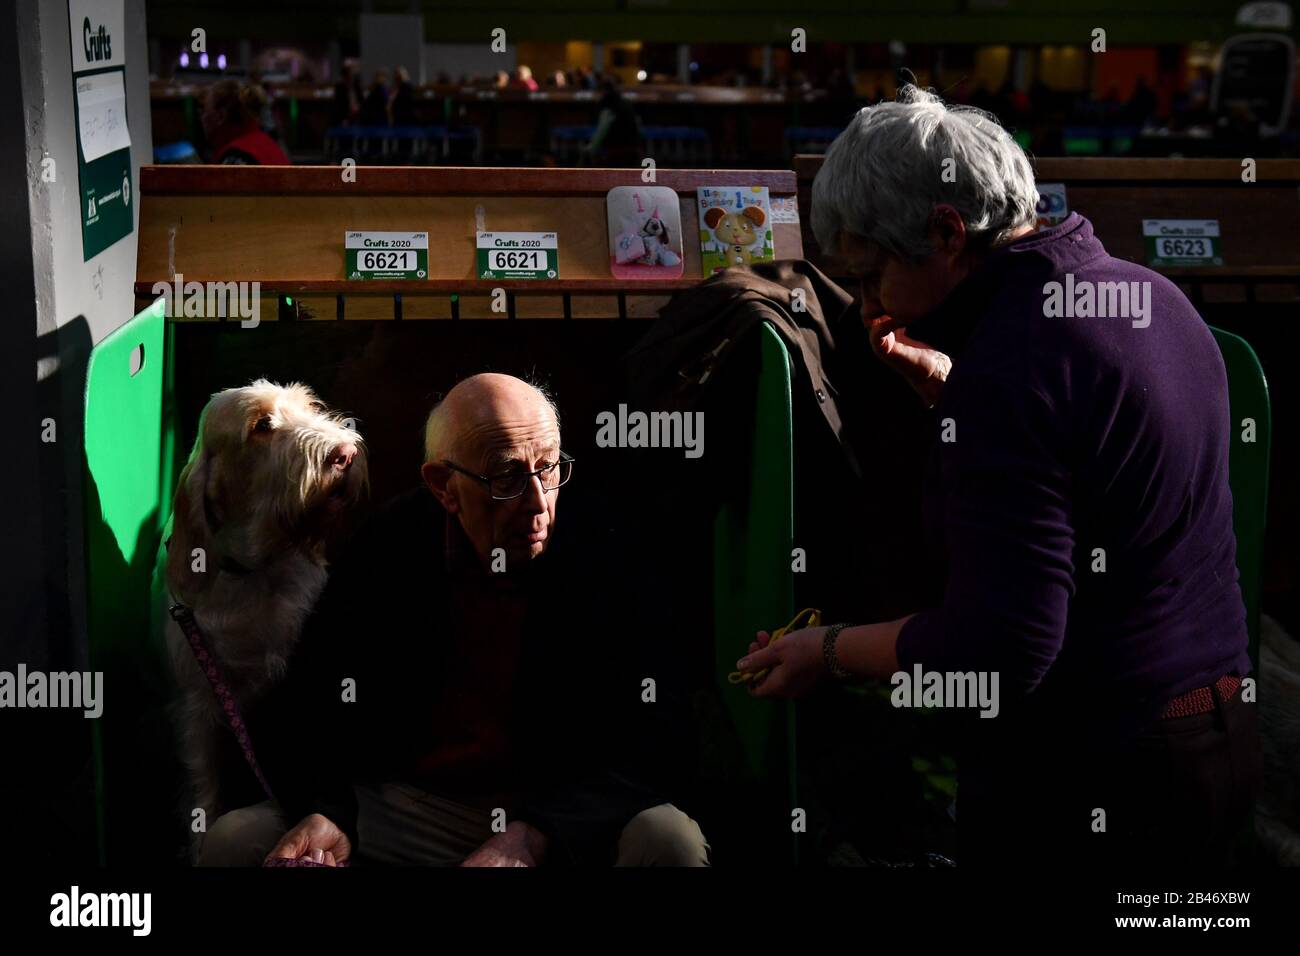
x=645, y=232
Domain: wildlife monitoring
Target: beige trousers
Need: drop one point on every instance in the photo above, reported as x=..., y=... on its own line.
x=402, y=825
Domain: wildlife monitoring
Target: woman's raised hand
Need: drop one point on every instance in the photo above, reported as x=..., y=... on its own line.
x=923, y=367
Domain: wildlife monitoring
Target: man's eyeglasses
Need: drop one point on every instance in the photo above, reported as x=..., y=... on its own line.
x=512, y=484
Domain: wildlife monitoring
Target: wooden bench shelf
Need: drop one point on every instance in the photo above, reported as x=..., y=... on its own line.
x=283, y=226
x=1257, y=220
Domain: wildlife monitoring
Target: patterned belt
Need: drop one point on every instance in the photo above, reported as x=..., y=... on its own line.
x=1201, y=700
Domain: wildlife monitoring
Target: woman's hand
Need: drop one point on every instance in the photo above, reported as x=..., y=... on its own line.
x=924, y=368
x=795, y=663
x=317, y=839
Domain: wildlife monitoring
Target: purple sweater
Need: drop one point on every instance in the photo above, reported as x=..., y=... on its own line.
x=1074, y=434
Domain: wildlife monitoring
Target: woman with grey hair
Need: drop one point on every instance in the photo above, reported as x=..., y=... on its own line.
x=1078, y=487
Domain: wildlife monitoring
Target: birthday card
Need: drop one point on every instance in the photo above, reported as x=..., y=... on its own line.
x=645, y=232
x=735, y=227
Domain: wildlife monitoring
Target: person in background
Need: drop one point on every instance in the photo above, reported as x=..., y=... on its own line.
x=524, y=78
x=501, y=80
x=347, y=96
x=266, y=118
x=374, y=108
x=401, y=102
x=1141, y=106
x=617, y=140
x=559, y=80
x=230, y=119
x=841, y=96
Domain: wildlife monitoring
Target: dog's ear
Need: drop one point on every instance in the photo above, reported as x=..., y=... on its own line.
x=713, y=216
x=756, y=214
x=190, y=558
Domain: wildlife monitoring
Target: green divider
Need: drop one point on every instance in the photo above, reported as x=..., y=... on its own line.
x=125, y=510
x=753, y=582
x=1248, y=469
x=1248, y=478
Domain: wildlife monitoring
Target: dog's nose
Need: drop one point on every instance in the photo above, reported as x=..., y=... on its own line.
x=341, y=457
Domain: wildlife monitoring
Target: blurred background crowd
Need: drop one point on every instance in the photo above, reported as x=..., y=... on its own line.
x=1185, y=84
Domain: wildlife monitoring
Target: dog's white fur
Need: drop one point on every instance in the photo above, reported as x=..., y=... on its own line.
x=254, y=509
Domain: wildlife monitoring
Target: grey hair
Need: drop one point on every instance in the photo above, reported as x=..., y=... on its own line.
x=440, y=443
x=883, y=176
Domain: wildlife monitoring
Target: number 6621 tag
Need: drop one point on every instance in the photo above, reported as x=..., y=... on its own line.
x=517, y=255
x=386, y=255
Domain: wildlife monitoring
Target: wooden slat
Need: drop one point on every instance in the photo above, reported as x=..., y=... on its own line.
x=1257, y=220
x=1114, y=170
x=481, y=286
x=1228, y=292
x=539, y=307
x=593, y=306
x=368, y=307
x=419, y=307
x=645, y=306
x=479, y=307
x=1277, y=292
x=284, y=228
x=1235, y=272
x=295, y=242
x=323, y=308
x=194, y=180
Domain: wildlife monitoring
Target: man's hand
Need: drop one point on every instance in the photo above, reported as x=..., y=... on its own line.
x=316, y=839
x=795, y=663
x=520, y=845
x=924, y=368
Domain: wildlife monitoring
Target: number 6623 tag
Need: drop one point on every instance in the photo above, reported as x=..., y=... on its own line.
x=1182, y=242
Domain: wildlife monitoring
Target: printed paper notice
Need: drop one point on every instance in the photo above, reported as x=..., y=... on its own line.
x=101, y=115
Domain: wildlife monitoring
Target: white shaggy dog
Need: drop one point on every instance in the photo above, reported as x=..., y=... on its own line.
x=270, y=475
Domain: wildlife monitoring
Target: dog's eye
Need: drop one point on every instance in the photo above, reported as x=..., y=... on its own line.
x=318, y=406
x=263, y=424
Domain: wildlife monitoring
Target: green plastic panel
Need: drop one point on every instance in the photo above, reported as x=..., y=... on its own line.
x=1248, y=469
x=753, y=582
x=127, y=441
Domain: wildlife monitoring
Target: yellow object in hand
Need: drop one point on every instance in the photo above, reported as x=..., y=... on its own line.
x=808, y=617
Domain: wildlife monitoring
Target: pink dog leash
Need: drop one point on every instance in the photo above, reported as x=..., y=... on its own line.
x=183, y=616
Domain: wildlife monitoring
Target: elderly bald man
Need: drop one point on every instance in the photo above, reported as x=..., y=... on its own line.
x=445, y=707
